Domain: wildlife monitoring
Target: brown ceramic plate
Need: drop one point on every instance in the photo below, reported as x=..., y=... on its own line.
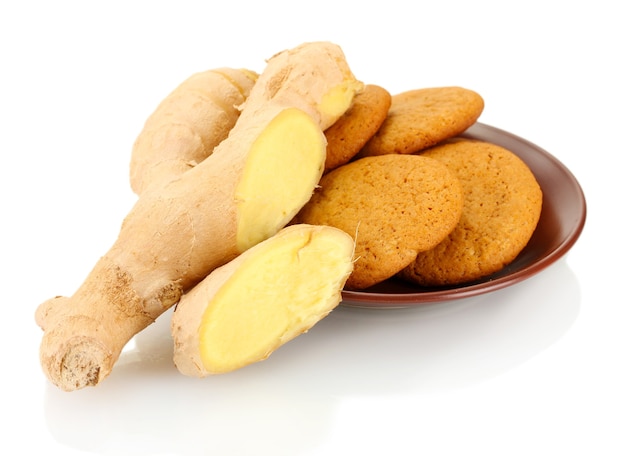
x=561, y=222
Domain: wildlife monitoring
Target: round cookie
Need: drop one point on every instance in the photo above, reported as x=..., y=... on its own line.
x=502, y=207
x=422, y=118
x=393, y=205
x=347, y=136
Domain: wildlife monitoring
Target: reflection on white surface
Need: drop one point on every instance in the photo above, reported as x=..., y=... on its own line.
x=286, y=405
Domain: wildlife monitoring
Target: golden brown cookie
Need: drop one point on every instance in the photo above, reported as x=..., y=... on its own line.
x=393, y=205
x=421, y=118
x=347, y=136
x=502, y=207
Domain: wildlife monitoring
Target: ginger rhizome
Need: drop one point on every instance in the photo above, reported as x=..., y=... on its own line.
x=188, y=124
x=278, y=289
x=242, y=193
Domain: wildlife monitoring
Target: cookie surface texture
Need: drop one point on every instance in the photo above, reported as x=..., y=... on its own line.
x=502, y=208
x=347, y=136
x=422, y=118
x=394, y=206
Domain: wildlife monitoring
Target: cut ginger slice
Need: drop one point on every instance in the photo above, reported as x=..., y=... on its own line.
x=270, y=294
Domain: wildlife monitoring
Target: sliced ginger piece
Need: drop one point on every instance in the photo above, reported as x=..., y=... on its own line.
x=270, y=294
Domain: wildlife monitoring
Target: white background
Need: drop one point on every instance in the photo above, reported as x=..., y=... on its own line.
x=533, y=369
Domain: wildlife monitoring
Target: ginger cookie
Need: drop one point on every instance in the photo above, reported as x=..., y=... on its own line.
x=502, y=207
x=393, y=205
x=347, y=136
x=422, y=118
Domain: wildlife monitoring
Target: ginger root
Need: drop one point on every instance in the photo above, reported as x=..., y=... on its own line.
x=188, y=124
x=278, y=289
x=245, y=191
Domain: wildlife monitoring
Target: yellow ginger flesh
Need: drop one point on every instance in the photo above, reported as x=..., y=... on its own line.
x=276, y=291
x=293, y=147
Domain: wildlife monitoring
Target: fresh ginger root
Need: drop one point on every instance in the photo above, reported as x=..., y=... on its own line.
x=245, y=191
x=188, y=124
x=278, y=289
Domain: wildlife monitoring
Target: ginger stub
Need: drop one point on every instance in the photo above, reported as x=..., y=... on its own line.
x=246, y=190
x=188, y=124
x=273, y=292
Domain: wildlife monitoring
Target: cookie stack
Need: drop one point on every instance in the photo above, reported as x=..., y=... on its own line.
x=423, y=203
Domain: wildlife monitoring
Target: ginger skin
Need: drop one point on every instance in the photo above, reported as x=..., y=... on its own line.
x=181, y=230
x=187, y=125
